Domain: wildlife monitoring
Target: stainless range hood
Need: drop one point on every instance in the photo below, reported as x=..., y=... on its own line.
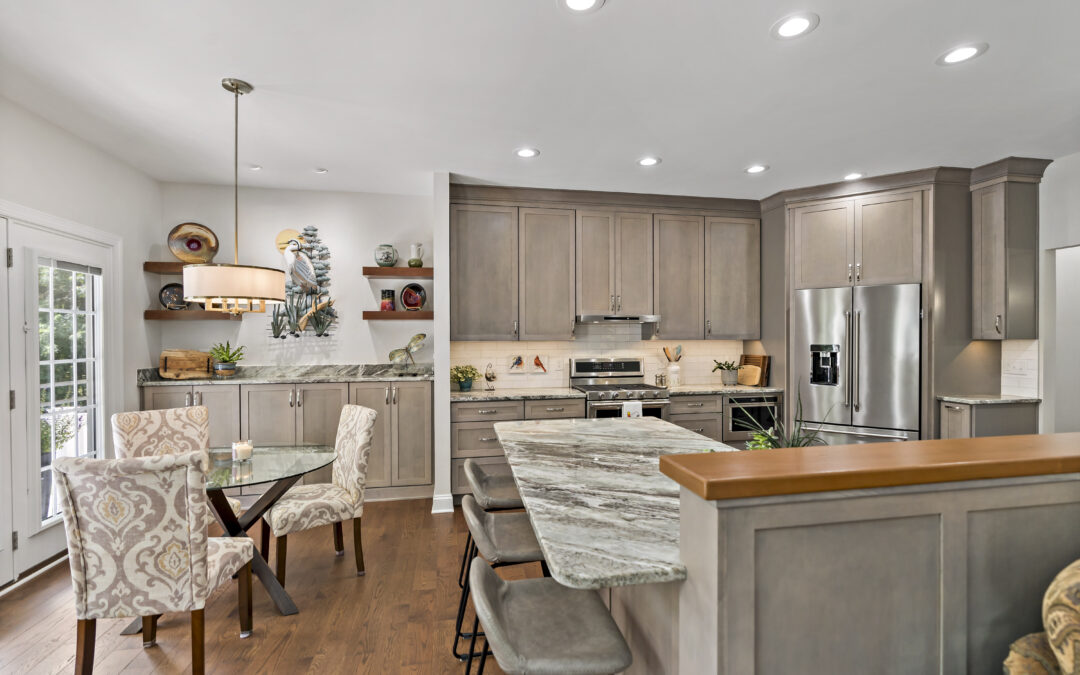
x=612, y=318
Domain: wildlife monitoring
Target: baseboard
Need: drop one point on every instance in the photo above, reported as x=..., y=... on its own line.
x=390, y=494
x=442, y=503
x=34, y=572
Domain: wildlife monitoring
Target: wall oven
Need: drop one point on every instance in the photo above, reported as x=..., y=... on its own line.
x=743, y=414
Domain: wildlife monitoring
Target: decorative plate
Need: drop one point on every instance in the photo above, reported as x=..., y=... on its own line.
x=413, y=297
x=171, y=296
x=193, y=243
x=416, y=343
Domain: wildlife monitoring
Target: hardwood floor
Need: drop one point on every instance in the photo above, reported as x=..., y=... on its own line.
x=399, y=618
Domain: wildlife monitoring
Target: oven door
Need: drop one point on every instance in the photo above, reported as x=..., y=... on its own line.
x=743, y=414
x=598, y=409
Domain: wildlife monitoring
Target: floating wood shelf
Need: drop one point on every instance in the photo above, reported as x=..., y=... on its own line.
x=171, y=267
x=399, y=316
x=188, y=315
x=402, y=272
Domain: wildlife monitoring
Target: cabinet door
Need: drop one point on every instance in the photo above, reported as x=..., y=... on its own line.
x=268, y=413
x=483, y=272
x=223, y=401
x=163, y=398
x=732, y=279
x=633, y=264
x=888, y=239
x=376, y=395
x=411, y=458
x=988, y=263
x=955, y=420
x=595, y=262
x=318, y=411
x=546, y=268
x=679, y=276
x=823, y=245
x=706, y=425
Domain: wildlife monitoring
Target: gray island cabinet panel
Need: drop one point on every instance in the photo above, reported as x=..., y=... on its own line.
x=888, y=239
x=822, y=244
x=483, y=272
x=732, y=279
x=546, y=269
x=595, y=255
x=679, y=276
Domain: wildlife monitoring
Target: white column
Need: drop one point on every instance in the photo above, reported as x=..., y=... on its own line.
x=443, y=500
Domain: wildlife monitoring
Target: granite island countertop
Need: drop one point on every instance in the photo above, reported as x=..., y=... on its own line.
x=148, y=377
x=602, y=511
x=986, y=399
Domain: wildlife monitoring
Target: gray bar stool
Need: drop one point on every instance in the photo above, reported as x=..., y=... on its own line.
x=502, y=539
x=494, y=491
x=540, y=627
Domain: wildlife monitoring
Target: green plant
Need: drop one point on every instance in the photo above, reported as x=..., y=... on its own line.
x=724, y=365
x=460, y=373
x=278, y=321
x=779, y=435
x=321, y=321
x=225, y=353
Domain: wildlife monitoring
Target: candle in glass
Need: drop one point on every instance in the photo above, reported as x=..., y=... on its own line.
x=241, y=451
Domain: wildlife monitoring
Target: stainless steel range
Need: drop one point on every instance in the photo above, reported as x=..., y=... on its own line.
x=610, y=382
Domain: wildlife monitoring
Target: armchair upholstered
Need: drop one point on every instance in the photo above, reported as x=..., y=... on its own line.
x=138, y=546
x=1057, y=651
x=307, y=506
x=164, y=432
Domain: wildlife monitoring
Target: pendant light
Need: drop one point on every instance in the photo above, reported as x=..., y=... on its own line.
x=234, y=288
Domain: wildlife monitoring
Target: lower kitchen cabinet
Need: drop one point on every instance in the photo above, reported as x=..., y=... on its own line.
x=401, y=451
x=222, y=400
x=969, y=420
x=707, y=424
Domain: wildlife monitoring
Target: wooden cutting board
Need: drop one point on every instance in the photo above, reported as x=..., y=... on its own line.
x=184, y=364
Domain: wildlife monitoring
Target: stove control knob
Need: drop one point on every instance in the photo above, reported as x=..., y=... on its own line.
x=614, y=394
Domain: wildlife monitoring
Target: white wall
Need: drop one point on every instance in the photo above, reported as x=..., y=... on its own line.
x=48, y=169
x=351, y=224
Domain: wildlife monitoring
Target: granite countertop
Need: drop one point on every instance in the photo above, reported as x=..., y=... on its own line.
x=986, y=399
x=690, y=389
x=602, y=511
x=148, y=377
x=508, y=394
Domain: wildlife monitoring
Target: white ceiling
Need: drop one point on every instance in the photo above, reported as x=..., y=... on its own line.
x=385, y=92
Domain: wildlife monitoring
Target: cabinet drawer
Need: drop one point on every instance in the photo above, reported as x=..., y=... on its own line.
x=955, y=420
x=710, y=425
x=494, y=411
x=564, y=407
x=692, y=405
x=460, y=486
x=474, y=439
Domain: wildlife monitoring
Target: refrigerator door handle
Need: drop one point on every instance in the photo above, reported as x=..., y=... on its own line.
x=851, y=371
x=856, y=358
x=863, y=434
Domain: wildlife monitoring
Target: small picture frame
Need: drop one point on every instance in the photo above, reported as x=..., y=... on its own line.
x=517, y=364
x=539, y=363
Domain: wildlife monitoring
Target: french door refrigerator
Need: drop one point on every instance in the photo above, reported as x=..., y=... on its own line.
x=856, y=361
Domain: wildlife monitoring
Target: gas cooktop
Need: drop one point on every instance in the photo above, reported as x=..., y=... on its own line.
x=612, y=392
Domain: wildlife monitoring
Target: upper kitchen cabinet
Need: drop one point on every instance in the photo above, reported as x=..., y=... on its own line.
x=679, y=276
x=1005, y=249
x=483, y=272
x=614, y=263
x=888, y=239
x=732, y=279
x=823, y=244
x=546, y=268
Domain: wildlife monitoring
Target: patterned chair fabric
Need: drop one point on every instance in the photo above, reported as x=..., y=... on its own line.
x=1061, y=618
x=1031, y=655
x=306, y=506
x=136, y=532
x=164, y=432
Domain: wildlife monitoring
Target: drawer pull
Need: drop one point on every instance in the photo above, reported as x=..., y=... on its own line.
x=486, y=412
x=487, y=439
x=555, y=409
x=695, y=405
x=698, y=430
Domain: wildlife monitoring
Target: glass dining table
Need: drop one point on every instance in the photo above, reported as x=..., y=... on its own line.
x=278, y=467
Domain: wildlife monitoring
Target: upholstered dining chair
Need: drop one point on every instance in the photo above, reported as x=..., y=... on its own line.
x=137, y=546
x=306, y=506
x=164, y=432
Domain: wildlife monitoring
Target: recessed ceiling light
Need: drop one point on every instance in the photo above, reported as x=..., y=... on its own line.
x=255, y=167
x=794, y=25
x=527, y=153
x=581, y=6
x=649, y=161
x=322, y=171
x=962, y=53
x=855, y=175
x=757, y=168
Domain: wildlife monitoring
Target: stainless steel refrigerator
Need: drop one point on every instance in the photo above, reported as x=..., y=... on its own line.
x=857, y=361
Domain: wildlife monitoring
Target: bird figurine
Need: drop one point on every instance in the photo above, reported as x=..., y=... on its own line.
x=298, y=267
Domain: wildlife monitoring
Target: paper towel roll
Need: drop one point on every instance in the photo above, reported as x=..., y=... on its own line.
x=631, y=409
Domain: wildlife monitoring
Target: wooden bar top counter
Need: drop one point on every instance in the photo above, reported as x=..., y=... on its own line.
x=761, y=473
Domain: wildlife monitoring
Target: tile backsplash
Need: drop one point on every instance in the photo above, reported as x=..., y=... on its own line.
x=592, y=340
x=1020, y=367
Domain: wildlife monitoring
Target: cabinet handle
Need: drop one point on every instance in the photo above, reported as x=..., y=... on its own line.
x=198, y=398
x=387, y=401
x=555, y=409
x=612, y=303
x=515, y=327
x=187, y=399
x=486, y=412
x=858, y=271
x=954, y=408
x=698, y=430
x=997, y=323
x=395, y=396
x=849, y=272
x=573, y=328
x=618, y=303
x=487, y=439
x=695, y=405
x=299, y=398
x=291, y=394
x=708, y=327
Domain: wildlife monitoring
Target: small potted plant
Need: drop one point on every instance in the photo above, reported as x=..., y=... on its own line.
x=464, y=376
x=729, y=372
x=225, y=358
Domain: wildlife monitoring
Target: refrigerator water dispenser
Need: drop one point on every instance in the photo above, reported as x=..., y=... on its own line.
x=825, y=365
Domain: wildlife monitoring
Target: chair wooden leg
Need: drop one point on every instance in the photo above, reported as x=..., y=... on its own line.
x=198, y=645
x=244, y=586
x=86, y=631
x=265, y=541
x=358, y=547
x=282, y=546
x=149, y=630
x=339, y=540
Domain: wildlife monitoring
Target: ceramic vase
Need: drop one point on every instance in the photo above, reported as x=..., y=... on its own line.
x=385, y=255
x=465, y=385
x=674, y=375
x=416, y=255
x=729, y=377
